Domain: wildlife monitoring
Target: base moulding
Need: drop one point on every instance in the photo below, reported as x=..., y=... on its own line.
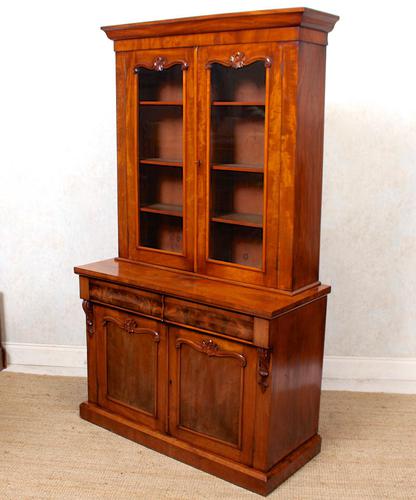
x=255, y=480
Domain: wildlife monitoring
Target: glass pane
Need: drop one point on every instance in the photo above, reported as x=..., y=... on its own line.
x=243, y=84
x=163, y=85
x=237, y=163
x=160, y=123
x=237, y=135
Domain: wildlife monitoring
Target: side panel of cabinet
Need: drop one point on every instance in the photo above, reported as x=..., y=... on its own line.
x=293, y=384
x=131, y=366
x=211, y=393
x=309, y=160
x=239, y=117
x=156, y=123
x=301, y=167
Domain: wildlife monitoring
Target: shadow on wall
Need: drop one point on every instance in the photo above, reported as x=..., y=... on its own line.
x=2, y=351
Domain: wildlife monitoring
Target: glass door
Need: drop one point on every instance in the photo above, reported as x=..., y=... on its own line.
x=234, y=145
x=160, y=175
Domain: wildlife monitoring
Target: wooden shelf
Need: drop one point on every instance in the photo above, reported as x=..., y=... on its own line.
x=160, y=103
x=239, y=167
x=161, y=162
x=238, y=103
x=163, y=209
x=239, y=219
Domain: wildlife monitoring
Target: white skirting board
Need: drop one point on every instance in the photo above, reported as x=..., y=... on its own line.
x=46, y=359
x=341, y=373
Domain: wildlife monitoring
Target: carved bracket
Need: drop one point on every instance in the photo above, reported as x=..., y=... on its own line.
x=160, y=63
x=263, y=367
x=239, y=60
x=131, y=327
x=88, y=309
x=209, y=347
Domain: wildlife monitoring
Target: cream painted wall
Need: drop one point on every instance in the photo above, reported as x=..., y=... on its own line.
x=58, y=173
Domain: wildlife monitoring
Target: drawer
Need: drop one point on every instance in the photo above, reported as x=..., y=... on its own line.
x=209, y=318
x=129, y=298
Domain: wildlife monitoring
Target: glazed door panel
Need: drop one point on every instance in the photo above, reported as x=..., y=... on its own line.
x=131, y=366
x=239, y=153
x=212, y=387
x=160, y=158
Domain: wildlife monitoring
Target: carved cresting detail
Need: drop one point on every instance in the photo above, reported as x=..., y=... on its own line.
x=160, y=63
x=131, y=327
x=88, y=309
x=263, y=367
x=239, y=60
x=209, y=347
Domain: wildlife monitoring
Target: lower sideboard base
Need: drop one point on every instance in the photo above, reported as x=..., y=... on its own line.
x=247, y=477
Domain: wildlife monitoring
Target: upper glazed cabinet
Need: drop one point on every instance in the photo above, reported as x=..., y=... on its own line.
x=213, y=172
x=160, y=161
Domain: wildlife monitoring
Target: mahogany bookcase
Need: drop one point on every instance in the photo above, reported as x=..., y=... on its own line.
x=205, y=334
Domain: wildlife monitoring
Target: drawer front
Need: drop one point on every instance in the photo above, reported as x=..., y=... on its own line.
x=209, y=318
x=128, y=298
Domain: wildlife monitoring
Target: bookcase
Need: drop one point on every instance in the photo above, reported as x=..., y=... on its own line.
x=205, y=334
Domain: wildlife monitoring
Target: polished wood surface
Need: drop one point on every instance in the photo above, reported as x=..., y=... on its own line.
x=209, y=318
x=224, y=372
x=261, y=19
x=131, y=366
x=231, y=296
x=2, y=358
x=269, y=220
x=293, y=34
x=146, y=303
x=2, y=350
x=230, y=470
x=205, y=336
x=295, y=364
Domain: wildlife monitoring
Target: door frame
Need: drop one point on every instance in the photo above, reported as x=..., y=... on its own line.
x=271, y=54
x=214, y=346
x=132, y=324
x=129, y=220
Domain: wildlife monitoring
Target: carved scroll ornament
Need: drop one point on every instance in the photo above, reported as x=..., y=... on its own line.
x=88, y=310
x=160, y=63
x=131, y=327
x=263, y=367
x=209, y=347
x=239, y=60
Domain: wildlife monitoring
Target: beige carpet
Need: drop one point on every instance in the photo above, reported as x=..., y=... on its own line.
x=47, y=451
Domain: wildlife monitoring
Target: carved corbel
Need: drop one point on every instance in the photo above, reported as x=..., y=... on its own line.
x=88, y=309
x=263, y=367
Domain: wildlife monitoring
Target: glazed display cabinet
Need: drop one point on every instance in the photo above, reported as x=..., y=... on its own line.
x=205, y=334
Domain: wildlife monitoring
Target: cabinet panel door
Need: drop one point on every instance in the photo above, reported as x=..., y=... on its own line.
x=239, y=152
x=212, y=387
x=160, y=159
x=131, y=366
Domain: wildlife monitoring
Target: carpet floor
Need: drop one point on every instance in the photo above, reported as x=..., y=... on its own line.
x=47, y=451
